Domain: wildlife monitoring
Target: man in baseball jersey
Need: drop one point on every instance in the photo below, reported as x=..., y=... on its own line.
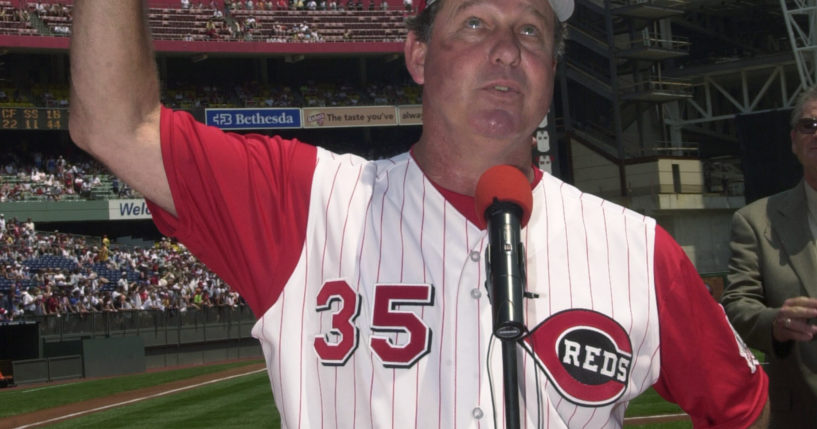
x=367, y=277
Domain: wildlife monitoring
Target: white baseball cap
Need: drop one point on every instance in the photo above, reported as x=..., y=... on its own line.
x=562, y=8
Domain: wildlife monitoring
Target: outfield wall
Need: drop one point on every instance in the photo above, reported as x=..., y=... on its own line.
x=127, y=341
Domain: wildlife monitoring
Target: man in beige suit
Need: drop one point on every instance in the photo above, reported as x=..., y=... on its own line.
x=771, y=297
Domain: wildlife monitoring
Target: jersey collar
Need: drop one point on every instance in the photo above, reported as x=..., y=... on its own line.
x=465, y=204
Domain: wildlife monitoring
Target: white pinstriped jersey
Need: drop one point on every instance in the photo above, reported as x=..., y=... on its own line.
x=385, y=322
x=383, y=225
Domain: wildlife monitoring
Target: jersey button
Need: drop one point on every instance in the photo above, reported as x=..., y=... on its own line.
x=476, y=293
x=474, y=256
x=477, y=413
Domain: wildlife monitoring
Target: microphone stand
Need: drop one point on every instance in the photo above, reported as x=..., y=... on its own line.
x=506, y=274
x=510, y=383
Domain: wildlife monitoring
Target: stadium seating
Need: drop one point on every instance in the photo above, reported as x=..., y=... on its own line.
x=50, y=262
x=175, y=23
x=166, y=272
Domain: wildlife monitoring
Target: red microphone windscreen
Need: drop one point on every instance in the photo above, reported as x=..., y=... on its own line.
x=504, y=183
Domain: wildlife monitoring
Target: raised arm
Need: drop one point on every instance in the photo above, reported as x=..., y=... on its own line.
x=115, y=104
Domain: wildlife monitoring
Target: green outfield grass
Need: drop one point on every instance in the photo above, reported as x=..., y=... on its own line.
x=244, y=401
x=26, y=400
x=651, y=403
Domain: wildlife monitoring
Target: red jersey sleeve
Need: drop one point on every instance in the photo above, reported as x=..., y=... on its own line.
x=241, y=203
x=705, y=366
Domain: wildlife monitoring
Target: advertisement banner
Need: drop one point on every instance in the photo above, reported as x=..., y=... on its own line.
x=253, y=119
x=128, y=209
x=411, y=114
x=340, y=117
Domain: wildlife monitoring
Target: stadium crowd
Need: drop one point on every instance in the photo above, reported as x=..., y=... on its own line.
x=44, y=273
x=58, y=274
x=186, y=95
x=183, y=94
x=223, y=20
x=55, y=178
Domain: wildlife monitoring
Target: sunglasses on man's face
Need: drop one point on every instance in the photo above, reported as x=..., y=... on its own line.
x=806, y=125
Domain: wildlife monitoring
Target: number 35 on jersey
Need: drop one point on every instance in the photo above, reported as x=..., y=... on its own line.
x=335, y=346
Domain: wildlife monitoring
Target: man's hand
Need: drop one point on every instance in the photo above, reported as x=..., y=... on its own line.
x=792, y=320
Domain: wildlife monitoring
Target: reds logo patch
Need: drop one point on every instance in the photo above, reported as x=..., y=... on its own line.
x=585, y=354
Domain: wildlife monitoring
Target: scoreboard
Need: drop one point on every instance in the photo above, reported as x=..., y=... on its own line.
x=33, y=118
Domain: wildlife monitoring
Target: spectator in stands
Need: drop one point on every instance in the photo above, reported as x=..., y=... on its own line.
x=76, y=302
x=29, y=225
x=32, y=301
x=18, y=312
x=5, y=306
x=122, y=283
x=210, y=30
x=384, y=5
x=408, y=5
x=40, y=9
x=122, y=303
x=107, y=303
x=250, y=23
x=51, y=303
x=21, y=15
x=236, y=31
x=185, y=4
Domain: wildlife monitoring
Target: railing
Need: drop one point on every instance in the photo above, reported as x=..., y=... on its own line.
x=24, y=189
x=663, y=85
x=157, y=327
x=677, y=43
x=660, y=3
x=663, y=149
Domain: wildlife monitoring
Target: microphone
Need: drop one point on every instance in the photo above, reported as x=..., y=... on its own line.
x=504, y=200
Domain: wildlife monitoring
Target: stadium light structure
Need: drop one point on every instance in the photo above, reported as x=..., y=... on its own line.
x=800, y=13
